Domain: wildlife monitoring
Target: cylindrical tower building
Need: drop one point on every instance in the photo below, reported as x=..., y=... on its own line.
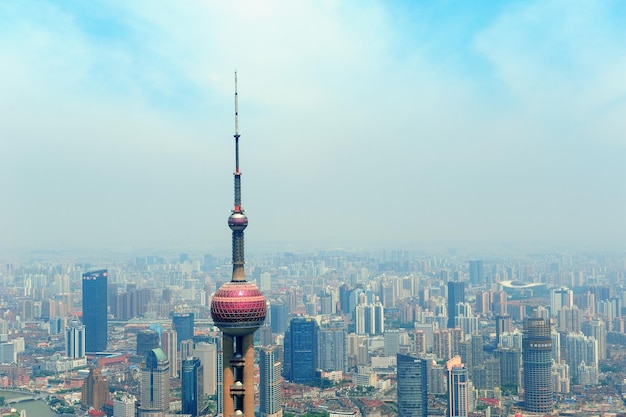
x=238, y=308
x=537, y=361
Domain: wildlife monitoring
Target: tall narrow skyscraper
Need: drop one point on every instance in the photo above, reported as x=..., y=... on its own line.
x=191, y=386
x=183, y=323
x=476, y=274
x=458, y=388
x=169, y=345
x=155, y=385
x=95, y=310
x=537, y=361
x=271, y=387
x=412, y=386
x=75, y=339
x=456, y=295
x=238, y=308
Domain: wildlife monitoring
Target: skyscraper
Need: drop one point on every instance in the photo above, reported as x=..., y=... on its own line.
x=271, y=382
x=169, y=345
x=183, y=323
x=207, y=353
x=301, y=350
x=95, y=389
x=476, y=274
x=412, y=386
x=537, y=362
x=95, y=310
x=458, y=388
x=146, y=341
x=191, y=386
x=456, y=295
x=75, y=339
x=238, y=308
x=155, y=385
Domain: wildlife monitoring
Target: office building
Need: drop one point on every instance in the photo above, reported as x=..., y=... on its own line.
x=504, y=324
x=183, y=323
x=124, y=406
x=95, y=389
x=146, y=341
x=271, y=382
x=560, y=298
x=75, y=339
x=191, y=376
x=95, y=317
x=456, y=295
x=169, y=345
x=301, y=350
x=154, y=398
x=537, y=364
x=476, y=274
x=412, y=386
x=238, y=308
x=207, y=353
x=458, y=388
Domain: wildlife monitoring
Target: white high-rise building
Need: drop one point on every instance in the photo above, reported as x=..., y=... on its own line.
x=169, y=344
x=75, y=339
x=207, y=353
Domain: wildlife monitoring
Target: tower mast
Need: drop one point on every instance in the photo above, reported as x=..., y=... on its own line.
x=237, y=221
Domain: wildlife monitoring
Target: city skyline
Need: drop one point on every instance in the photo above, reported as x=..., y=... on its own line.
x=498, y=122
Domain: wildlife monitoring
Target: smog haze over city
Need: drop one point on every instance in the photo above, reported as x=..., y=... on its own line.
x=364, y=124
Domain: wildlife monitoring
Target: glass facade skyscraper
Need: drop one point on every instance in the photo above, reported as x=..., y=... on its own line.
x=192, y=386
x=95, y=310
x=456, y=295
x=412, y=386
x=183, y=323
x=301, y=353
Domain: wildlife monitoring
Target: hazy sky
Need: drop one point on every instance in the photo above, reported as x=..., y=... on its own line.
x=363, y=123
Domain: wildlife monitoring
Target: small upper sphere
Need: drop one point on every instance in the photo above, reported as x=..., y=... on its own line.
x=238, y=307
x=237, y=221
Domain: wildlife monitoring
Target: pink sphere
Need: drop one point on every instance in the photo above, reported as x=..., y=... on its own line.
x=238, y=307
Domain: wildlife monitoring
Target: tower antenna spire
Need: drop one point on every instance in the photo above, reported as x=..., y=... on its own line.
x=237, y=220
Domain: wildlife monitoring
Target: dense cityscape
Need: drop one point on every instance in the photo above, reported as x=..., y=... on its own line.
x=342, y=329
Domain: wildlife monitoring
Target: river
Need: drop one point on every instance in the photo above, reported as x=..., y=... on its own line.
x=33, y=408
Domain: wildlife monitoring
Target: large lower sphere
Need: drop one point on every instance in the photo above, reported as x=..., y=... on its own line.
x=238, y=307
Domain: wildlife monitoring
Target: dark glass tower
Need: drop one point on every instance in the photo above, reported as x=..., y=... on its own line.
x=456, y=294
x=412, y=386
x=192, y=386
x=183, y=323
x=537, y=360
x=301, y=355
x=146, y=341
x=95, y=310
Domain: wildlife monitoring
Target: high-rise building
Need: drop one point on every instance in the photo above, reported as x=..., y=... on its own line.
x=596, y=328
x=238, y=308
x=124, y=406
x=537, y=363
x=510, y=365
x=146, y=341
x=504, y=324
x=271, y=383
x=207, y=353
x=155, y=385
x=560, y=298
x=301, y=350
x=169, y=345
x=476, y=274
x=75, y=339
x=95, y=389
x=332, y=349
x=183, y=323
x=456, y=295
x=95, y=310
x=412, y=386
x=458, y=388
x=191, y=376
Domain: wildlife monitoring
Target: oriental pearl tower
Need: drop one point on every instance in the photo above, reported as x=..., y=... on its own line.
x=238, y=308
